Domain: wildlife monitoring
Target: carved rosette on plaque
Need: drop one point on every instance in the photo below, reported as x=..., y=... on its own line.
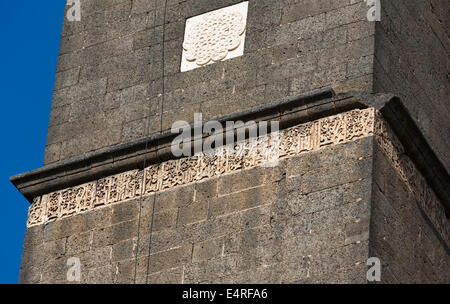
x=254, y=152
x=214, y=36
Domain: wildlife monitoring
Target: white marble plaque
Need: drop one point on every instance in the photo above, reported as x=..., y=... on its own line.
x=214, y=36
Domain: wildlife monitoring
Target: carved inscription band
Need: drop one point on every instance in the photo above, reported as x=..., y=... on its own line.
x=416, y=183
x=128, y=185
x=300, y=139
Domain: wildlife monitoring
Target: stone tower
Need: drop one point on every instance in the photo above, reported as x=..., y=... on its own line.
x=363, y=154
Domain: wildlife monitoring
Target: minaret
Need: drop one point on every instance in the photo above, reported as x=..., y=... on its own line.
x=359, y=190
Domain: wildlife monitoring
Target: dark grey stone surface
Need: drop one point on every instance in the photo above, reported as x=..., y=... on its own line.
x=102, y=87
x=401, y=236
x=258, y=225
x=314, y=219
x=102, y=92
x=411, y=61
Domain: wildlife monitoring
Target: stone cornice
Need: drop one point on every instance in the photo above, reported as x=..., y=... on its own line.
x=425, y=196
x=290, y=112
x=123, y=157
x=260, y=151
x=418, y=149
x=252, y=152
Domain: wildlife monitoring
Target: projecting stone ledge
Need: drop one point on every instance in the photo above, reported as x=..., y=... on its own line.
x=289, y=112
x=154, y=149
x=261, y=151
x=308, y=123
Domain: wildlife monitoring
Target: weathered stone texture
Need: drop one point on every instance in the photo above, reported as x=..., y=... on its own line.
x=411, y=61
x=311, y=136
x=256, y=225
x=102, y=90
x=401, y=236
x=316, y=217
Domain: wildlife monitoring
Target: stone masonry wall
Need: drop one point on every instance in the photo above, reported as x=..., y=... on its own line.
x=102, y=86
x=306, y=220
x=411, y=61
x=408, y=246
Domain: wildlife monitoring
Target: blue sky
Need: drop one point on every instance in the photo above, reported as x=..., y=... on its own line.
x=29, y=44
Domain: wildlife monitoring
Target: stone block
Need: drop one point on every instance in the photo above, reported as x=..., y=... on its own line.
x=209, y=271
x=97, y=257
x=124, y=250
x=165, y=220
x=172, y=276
x=174, y=198
x=79, y=243
x=200, y=231
x=194, y=212
x=54, y=270
x=125, y=211
x=245, y=199
x=170, y=259
x=101, y=275
x=207, y=250
x=115, y=233
x=333, y=176
x=67, y=78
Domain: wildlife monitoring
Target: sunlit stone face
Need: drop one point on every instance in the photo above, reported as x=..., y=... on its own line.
x=214, y=36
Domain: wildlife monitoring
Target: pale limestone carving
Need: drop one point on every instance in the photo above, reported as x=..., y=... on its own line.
x=66, y=202
x=300, y=139
x=119, y=187
x=85, y=196
x=214, y=36
x=36, y=212
x=53, y=204
x=159, y=177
